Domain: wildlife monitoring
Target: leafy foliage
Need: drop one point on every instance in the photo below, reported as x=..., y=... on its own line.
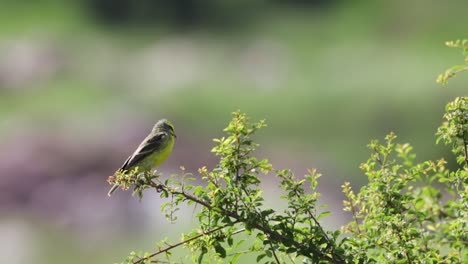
x=451, y=72
x=455, y=129
x=409, y=212
x=400, y=216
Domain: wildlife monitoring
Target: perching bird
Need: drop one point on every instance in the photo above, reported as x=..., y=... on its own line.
x=154, y=150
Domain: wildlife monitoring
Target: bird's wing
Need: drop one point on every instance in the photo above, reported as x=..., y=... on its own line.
x=146, y=148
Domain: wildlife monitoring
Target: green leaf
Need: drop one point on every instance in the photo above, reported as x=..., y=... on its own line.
x=220, y=250
x=323, y=214
x=235, y=258
x=260, y=257
x=204, y=250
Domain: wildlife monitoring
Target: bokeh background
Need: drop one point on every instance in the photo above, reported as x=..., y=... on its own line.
x=82, y=83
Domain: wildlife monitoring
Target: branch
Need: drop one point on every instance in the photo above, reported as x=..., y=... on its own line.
x=353, y=211
x=181, y=243
x=311, y=215
x=269, y=232
x=265, y=224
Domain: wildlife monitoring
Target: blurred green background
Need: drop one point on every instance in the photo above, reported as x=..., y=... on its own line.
x=82, y=83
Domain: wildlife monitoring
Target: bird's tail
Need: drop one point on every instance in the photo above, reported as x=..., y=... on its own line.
x=113, y=189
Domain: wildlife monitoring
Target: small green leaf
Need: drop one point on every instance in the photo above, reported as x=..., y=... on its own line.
x=220, y=250
x=323, y=214
x=260, y=257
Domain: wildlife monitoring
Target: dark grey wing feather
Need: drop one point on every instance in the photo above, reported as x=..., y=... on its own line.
x=125, y=165
x=146, y=148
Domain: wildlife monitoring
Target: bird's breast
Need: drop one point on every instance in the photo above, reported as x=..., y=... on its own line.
x=163, y=154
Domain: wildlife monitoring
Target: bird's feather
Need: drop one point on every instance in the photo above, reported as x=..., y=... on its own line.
x=146, y=148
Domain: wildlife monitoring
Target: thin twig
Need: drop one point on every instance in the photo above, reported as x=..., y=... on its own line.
x=162, y=261
x=264, y=224
x=329, y=243
x=465, y=143
x=274, y=251
x=353, y=211
x=181, y=243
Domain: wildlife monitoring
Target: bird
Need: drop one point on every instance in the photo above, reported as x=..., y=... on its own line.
x=151, y=152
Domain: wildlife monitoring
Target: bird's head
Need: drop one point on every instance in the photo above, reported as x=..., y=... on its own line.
x=164, y=125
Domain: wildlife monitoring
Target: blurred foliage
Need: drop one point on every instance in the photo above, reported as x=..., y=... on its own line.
x=185, y=13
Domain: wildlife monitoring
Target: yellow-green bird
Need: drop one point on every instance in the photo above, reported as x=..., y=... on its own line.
x=154, y=150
